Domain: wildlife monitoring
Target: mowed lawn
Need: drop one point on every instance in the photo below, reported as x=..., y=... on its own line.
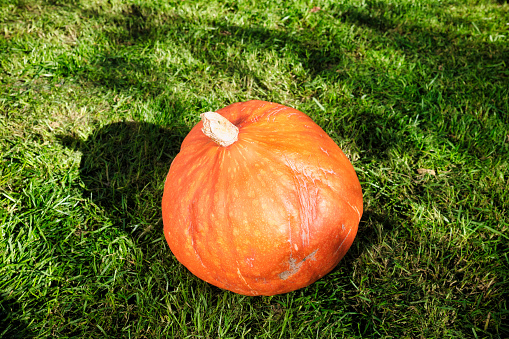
x=96, y=97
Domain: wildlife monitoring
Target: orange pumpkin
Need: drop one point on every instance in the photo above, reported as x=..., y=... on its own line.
x=260, y=200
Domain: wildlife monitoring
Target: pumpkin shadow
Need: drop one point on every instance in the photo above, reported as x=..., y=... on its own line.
x=10, y=324
x=123, y=168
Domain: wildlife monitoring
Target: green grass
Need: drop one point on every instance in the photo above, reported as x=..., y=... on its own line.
x=96, y=97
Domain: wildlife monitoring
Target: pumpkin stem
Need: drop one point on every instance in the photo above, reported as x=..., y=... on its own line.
x=219, y=129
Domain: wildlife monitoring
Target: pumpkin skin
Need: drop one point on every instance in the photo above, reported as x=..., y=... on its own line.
x=269, y=214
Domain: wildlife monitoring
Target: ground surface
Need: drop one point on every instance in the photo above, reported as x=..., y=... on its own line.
x=96, y=97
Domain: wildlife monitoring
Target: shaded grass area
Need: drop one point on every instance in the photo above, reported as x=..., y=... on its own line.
x=95, y=98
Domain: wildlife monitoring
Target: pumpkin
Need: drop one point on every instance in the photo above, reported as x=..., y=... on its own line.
x=260, y=200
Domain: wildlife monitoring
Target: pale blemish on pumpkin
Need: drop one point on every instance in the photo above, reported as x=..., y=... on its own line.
x=244, y=280
x=274, y=114
x=328, y=171
x=307, y=196
x=295, y=267
x=341, y=245
x=262, y=182
x=193, y=246
x=296, y=247
x=355, y=209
